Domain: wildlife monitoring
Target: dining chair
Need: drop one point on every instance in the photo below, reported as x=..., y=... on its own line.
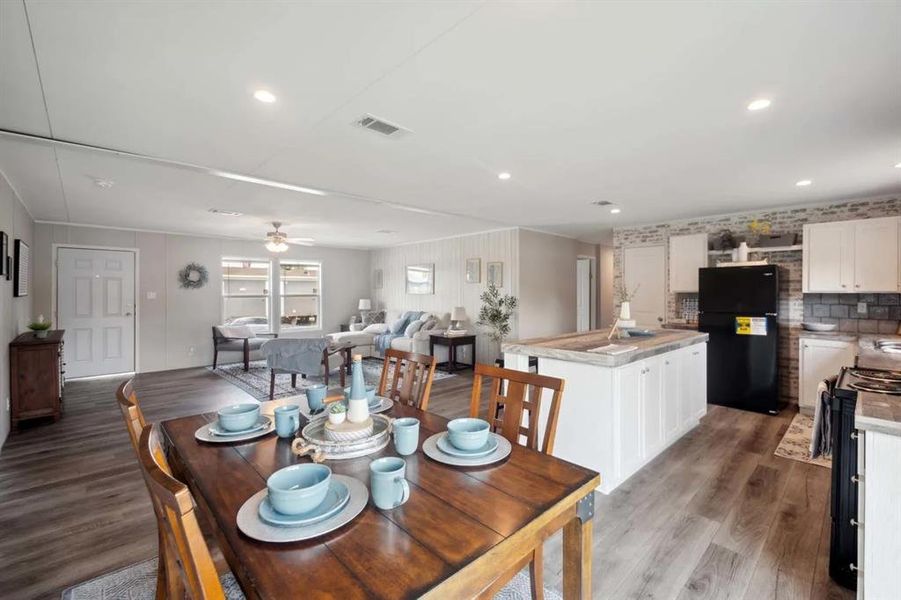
x=407, y=378
x=131, y=412
x=512, y=394
x=188, y=561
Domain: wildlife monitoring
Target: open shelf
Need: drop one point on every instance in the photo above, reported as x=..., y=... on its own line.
x=770, y=249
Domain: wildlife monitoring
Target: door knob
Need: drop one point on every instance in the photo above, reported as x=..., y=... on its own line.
x=128, y=314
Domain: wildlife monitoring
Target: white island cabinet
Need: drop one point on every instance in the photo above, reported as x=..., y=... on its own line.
x=620, y=411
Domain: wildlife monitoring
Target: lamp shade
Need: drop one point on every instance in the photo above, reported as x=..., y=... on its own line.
x=365, y=304
x=458, y=314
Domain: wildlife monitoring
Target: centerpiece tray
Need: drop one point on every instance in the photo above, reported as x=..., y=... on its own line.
x=315, y=436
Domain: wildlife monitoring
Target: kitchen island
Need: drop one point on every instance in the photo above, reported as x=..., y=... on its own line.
x=622, y=406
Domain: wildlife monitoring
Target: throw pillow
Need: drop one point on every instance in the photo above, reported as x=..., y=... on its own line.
x=412, y=328
x=399, y=325
x=374, y=316
x=429, y=324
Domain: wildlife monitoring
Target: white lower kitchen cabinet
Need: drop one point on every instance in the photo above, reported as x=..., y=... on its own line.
x=879, y=514
x=617, y=419
x=818, y=360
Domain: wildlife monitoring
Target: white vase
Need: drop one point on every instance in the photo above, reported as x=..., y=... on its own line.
x=357, y=410
x=625, y=312
x=743, y=252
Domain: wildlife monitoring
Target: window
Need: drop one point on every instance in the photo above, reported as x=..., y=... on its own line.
x=299, y=286
x=245, y=292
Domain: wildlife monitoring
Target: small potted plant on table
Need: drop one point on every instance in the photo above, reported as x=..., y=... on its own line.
x=40, y=326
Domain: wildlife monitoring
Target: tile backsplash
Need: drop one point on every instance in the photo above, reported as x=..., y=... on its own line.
x=881, y=312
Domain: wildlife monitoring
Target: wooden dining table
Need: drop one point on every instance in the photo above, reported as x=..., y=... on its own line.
x=460, y=530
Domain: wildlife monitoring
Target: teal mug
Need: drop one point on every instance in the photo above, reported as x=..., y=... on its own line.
x=287, y=420
x=406, y=435
x=387, y=483
x=316, y=397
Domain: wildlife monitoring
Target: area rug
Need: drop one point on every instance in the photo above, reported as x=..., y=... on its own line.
x=795, y=443
x=138, y=582
x=255, y=381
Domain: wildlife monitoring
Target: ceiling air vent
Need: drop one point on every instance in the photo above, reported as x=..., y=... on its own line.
x=381, y=126
x=602, y=203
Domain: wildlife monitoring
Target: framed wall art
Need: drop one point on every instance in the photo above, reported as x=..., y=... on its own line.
x=473, y=270
x=495, y=274
x=22, y=268
x=4, y=252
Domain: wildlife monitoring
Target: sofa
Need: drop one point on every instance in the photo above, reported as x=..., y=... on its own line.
x=412, y=339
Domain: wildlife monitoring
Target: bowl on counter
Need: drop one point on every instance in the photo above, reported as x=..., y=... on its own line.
x=821, y=327
x=468, y=433
x=239, y=417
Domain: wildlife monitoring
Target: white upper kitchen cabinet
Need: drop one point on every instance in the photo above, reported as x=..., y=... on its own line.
x=852, y=256
x=876, y=255
x=818, y=360
x=687, y=254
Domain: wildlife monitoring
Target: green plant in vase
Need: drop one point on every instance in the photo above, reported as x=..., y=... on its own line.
x=40, y=326
x=496, y=312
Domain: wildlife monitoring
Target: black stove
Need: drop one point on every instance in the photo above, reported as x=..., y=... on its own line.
x=851, y=383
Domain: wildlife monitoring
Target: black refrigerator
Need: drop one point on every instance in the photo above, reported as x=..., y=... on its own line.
x=738, y=307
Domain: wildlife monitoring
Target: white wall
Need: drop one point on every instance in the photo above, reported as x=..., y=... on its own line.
x=547, y=284
x=606, y=301
x=179, y=319
x=449, y=257
x=15, y=313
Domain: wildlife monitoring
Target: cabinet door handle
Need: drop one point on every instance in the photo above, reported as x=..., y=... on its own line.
x=844, y=286
x=695, y=353
x=855, y=523
x=857, y=285
x=853, y=567
x=855, y=435
x=855, y=478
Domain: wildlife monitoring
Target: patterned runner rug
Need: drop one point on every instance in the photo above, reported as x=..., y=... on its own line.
x=138, y=582
x=795, y=443
x=256, y=380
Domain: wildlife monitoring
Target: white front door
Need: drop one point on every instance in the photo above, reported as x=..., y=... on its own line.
x=583, y=294
x=644, y=268
x=96, y=306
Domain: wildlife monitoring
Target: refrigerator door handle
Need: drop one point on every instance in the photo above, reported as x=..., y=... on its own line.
x=772, y=314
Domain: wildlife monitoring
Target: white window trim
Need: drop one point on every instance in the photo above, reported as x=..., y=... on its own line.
x=277, y=295
x=269, y=297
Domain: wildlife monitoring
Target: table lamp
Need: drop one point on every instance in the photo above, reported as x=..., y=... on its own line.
x=458, y=314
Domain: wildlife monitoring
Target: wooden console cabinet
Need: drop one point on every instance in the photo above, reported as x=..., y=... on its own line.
x=36, y=376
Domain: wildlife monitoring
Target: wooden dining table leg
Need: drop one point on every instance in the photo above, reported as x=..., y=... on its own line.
x=577, y=551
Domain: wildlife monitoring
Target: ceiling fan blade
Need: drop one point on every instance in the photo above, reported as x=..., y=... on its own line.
x=299, y=240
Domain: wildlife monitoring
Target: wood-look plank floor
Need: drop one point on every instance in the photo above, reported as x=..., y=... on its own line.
x=716, y=516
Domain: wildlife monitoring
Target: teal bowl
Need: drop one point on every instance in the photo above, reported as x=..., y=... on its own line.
x=239, y=417
x=468, y=434
x=370, y=393
x=298, y=489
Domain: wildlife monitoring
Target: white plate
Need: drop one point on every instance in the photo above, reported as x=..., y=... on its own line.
x=444, y=444
x=262, y=423
x=430, y=448
x=250, y=523
x=205, y=435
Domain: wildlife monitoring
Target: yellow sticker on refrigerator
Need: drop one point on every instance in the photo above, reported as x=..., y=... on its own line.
x=750, y=325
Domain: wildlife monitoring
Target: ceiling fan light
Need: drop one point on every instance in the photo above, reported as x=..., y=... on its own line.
x=276, y=246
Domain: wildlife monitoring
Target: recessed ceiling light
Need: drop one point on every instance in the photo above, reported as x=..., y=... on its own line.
x=503, y=176
x=264, y=96
x=225, y=213
x=386, y=231
x=615, y=211
x=898, y=166
x=804, y=183
x=104, y=183
x=760, y=104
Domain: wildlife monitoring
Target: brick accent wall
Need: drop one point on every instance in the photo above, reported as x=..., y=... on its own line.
x=787, y=220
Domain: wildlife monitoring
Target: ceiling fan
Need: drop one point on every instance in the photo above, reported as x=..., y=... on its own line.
x=278, y=241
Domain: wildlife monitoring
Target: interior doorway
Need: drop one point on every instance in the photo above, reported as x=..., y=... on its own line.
x=95, y=304
x=586, y=293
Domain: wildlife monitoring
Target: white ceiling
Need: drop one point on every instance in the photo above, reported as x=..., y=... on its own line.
x=641, y=104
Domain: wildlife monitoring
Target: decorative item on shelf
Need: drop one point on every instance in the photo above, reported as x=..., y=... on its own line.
x=776, y=240
x=473, y=270
x=743, y=252
x=495, y=274
x=496, y=313
x=40, y=327
x=364, y=306
x=625, y=298
x=723, y=240
x=758, y=229
x=193, y=276
x=22, y=266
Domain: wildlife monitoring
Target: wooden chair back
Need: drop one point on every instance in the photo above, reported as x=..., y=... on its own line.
x=407, y=378
x=523, y=393
x=131, y=412
x=178, y=524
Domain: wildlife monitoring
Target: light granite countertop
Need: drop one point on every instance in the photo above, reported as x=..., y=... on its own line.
x=575, y=346
x=878, y=412
x=838, y=336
